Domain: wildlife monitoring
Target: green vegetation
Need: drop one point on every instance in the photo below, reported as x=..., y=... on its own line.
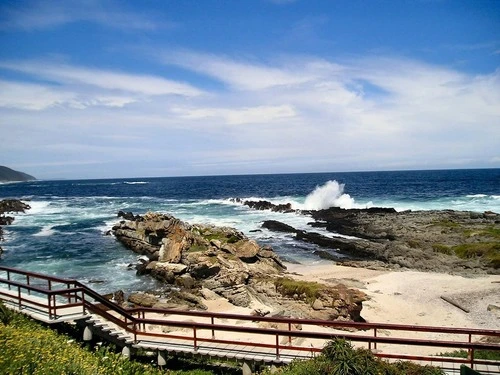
x=446, y=224
x=197, y=248
x=26, y=347
x=492, y=232
x=340, y=358
x=290, y=287
x=493, y=355
x=443, y=249
x=490, y=251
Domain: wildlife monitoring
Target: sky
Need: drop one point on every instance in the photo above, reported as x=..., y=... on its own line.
x=151, y=88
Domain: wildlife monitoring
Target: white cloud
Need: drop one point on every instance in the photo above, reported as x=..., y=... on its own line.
x=41, y=14
x=239, y=75
x=238, y=116
x=31, y=96
x=74, y=75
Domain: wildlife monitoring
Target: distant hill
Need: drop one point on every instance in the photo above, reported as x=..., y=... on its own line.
x=9, y=175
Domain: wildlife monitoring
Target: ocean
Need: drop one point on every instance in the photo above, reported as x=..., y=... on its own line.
x=63, y=233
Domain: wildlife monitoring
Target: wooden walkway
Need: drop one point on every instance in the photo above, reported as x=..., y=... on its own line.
x=252, y=339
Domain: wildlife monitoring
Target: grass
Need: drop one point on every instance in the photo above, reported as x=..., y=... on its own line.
x=289, y=287
x=489, y=251
x=446, y=224
x=443, y=249
x=490, y=232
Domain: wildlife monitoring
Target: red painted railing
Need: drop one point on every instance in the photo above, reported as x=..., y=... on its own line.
x=61, y=294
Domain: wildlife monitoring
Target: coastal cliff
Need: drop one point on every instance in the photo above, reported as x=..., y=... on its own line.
x=10, y=175
x=208, y=261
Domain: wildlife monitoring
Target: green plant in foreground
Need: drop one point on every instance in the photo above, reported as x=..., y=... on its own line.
x=340, y=358
x=27, y=347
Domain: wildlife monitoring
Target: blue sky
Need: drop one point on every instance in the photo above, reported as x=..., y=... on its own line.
x=96, y=89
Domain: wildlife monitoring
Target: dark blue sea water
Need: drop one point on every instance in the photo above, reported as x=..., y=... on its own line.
x=63, y=232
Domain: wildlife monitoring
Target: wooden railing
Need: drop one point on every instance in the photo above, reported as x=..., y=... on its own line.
x=154, y=324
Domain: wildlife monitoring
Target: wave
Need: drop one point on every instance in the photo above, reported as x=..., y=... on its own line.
x=331, y=194
x=136, y=182
x=46, y=231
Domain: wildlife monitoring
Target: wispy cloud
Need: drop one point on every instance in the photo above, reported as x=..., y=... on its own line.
x=236, y=74
x=30, y=96
x=81, y=87
x=237, y=116
x=41, y=14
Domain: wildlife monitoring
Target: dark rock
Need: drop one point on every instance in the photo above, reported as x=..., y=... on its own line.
x=325, y=255
x=265, y=205
x=278, y=226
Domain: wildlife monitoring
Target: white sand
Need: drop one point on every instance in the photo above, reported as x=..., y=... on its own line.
x=414, y=298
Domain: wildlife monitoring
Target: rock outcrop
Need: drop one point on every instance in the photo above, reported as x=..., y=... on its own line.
x=196, y=258
x=7, y=206
x=458, y=242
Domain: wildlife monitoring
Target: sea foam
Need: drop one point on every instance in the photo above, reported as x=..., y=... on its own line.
x=331, y=194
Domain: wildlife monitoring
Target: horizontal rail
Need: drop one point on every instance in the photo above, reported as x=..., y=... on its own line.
x=326, y=323
x=319, y=335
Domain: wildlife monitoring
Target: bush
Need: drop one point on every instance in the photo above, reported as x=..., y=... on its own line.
x=340, y=358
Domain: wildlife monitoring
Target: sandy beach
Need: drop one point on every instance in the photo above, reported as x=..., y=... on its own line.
x=412, y=297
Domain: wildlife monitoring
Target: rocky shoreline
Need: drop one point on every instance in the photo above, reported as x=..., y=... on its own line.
x=199, y=262
x=456, y=242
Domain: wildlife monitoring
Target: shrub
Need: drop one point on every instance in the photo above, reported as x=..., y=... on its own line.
x=6, y=315
x=340, y=358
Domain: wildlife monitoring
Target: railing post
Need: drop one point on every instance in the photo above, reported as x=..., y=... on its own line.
x=83, y=303
x=195, y=341
x=290, y=335
x=135, y=332
x=54, y=304
x=375, y=335
x=277, y=347
x=28, y=283
x=49, y=299
x=8, y=277
x=19, y=297
x=472, y=358
x=213, y=330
